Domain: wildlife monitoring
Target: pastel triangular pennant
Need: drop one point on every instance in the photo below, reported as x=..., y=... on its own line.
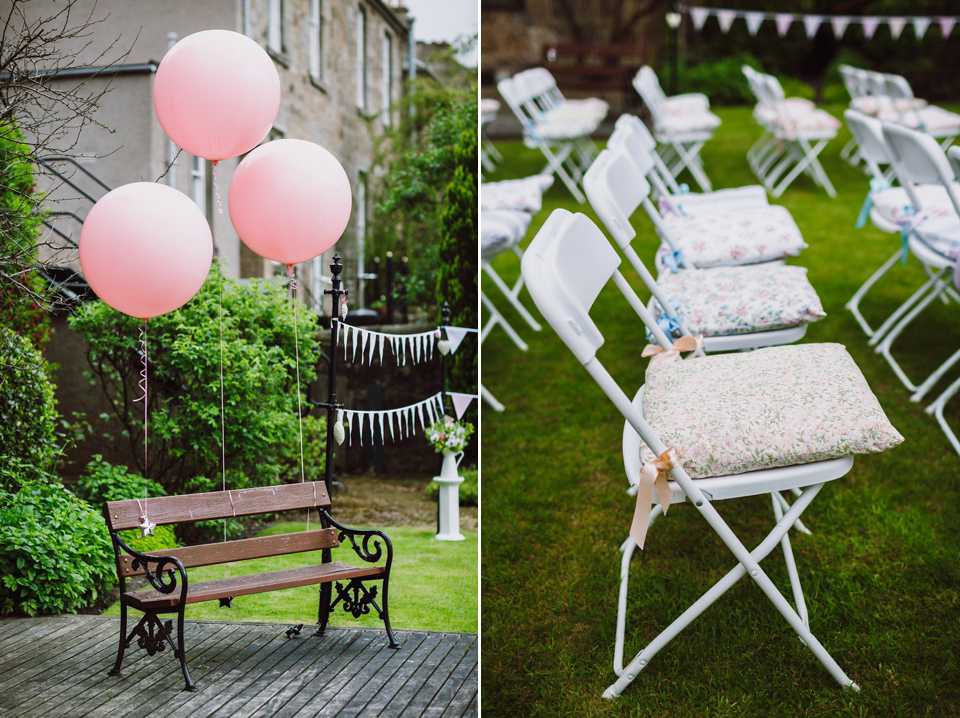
x=346, y=339
x=783, y=21
x=363, y=343
x=455, y=335
x=726, y=18
x=946, y=25
x=754, y=20
x=839, y=23
x=699, y=16
x=896, y=26
x=461, y=402
x=355, y=342
x=920, y=25
x=870, y=25
x=811, y=24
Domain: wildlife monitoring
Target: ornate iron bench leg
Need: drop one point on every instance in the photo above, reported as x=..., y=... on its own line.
x=115, y=671
x=323, y=612
x=182, y=654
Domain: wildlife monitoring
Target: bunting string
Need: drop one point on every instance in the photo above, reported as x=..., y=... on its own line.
x=812, y=22
x=400, y=423
x=416, y=348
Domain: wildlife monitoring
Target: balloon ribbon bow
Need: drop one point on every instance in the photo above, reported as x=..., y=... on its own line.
x=685, y=343
x=653, y=474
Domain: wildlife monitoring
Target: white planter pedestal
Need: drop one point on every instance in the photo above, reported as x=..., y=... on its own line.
x=449, y=510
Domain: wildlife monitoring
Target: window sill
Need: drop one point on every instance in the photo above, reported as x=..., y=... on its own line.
x=318, y=83
x=279, y=57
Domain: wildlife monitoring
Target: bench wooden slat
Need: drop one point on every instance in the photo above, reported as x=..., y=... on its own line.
x=239, y=550
x=126, y=514
x=150, y=599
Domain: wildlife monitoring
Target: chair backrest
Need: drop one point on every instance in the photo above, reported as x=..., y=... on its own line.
x=646, y=84
x=868, y=132
x=632, y=136
x=953, y=157
x=564, y=268
x=919, y=159
x=851, y=81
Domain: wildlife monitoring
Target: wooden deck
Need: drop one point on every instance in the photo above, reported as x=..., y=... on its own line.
x=57, y=667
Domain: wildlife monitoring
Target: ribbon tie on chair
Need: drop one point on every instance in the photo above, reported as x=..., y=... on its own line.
x=653, y=474
x=685, y=343
x=877, y=184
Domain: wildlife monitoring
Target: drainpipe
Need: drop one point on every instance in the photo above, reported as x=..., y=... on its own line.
x=171, y=148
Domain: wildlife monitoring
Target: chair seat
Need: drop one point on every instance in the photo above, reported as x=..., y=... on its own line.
x=500, y=230
x=892, y=204
x=732, y=237
x=931, y=119
x=688, y=102
x=940, y=233
x=777, y=406
x=696, y=202
x=588, y=109
x=687, y=122
x=524, y=194
x=741, y=300
x=818, y=124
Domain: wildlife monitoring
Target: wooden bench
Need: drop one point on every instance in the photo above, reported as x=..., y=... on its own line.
x=170, y=591
x=594, y=67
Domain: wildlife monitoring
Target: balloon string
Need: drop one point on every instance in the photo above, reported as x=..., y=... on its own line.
x=216, y=188
x=143, y=388
x=223, y=431
x=296, y=347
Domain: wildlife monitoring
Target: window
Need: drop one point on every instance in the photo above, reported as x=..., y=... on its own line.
x=361, y=236
x=198, y=183
x=316, y=39
x=275, y=41
x=362, y=59
x=386, y=92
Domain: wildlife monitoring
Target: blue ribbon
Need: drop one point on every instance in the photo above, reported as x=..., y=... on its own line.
x=905, y=229
x=877, y=184
x=673, y=261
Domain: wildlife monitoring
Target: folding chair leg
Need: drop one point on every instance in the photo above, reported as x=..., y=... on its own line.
x=931, y=380
x=748, y=563
x=512, y=294
x=936, y=408
x=497, y=318
x=894, y=318
x=491, y=399
x=555, y=165
x=791, y=563
x=854, y=304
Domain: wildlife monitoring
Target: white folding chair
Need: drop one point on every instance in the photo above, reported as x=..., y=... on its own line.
x=904, y=109
x=566, y=267
x=918, y=159
x=489, y=154
x=563, y=137
x=683, y=124
x=724, y=304
x=633, y=137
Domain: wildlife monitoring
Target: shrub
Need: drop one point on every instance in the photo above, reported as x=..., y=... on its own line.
x=260, y=402
x=55, y=552
x=722, y=81
x=28, y=414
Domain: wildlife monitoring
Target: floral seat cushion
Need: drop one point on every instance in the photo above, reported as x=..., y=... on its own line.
x=778, y=406
x=731, y=237
x=524, y=194
x=739, y=300
x=893, y=205
x=500, y=230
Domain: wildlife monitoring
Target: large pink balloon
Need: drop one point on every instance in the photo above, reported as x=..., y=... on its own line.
x=217, y=94
x=145, y=249
x=290, y=200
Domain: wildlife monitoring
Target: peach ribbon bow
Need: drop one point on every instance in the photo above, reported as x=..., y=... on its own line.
x=685, y=343
x=654, y=473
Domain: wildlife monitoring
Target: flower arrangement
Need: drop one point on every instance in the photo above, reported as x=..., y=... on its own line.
x=448, y=434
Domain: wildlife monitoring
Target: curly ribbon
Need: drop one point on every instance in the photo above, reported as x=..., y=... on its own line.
x=146, y=528
x=216, y=188
x=296, y=348
x=653, y=474
x=685, y=343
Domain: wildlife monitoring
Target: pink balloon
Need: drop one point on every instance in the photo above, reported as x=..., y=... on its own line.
x=217, y=94
x=145, y=249
x=290, y=200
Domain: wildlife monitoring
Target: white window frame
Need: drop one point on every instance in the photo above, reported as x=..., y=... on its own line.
x=198, y=183
x=316, y=40
x=387, y=79
x=361, y=236
x=361, y=38
x=275, y=39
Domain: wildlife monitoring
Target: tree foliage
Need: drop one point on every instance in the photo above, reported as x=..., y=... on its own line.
x=260, y=395
x=421, y=154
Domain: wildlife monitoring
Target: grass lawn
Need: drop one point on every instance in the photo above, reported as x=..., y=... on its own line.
x=881, y=572
x=433, y=586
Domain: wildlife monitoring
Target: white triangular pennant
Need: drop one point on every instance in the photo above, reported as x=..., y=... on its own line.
x=461, y=401
x=870, y=25
x=699, y=16
x=390, y=419
x=353, y=357
x=754, y=20
x=363, y=343
x=726, y=18
x=896, y=26
x=783, y=21
x=432, y=342
x=380, y=342
x=811, y=24
x=383, y=438
x=920, y=25
x=346, y=339
x=393, y=347
x=350, y=427
x=455, y=335
x=373, y=348
x=839, y=24
x=946, y=25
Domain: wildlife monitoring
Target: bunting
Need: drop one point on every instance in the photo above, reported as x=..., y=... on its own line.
x=461, y=402
x=812, y=22
x=399, y=423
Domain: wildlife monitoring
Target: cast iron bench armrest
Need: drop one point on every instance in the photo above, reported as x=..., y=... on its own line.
x=162, y=579
x=362, y=548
